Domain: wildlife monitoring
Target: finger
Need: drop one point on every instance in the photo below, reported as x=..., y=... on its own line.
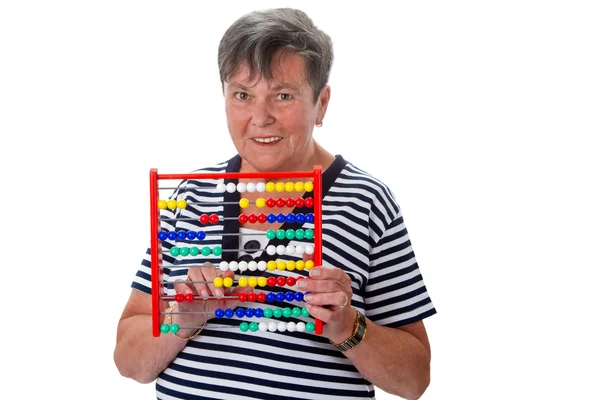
x=338, y=300
x=329, y=272
x=319, y=312
x=182, y=287
x=306, y=256
x=322, y=286
x=196, y=274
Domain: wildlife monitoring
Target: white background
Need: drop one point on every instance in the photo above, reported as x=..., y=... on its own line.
x=483, y=118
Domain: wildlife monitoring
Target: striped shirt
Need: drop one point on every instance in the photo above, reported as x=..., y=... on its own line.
x=363, y=233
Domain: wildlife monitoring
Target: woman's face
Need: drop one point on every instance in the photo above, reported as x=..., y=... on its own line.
x=271, y=123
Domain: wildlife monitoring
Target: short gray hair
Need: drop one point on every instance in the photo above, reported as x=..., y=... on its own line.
x=255, y=38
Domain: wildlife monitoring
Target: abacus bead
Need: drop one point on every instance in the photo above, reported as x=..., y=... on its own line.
x=270, y=297
x=252, y=218
x=281, y=326
x=244, y=327
x=287, y=312
x=280, y=186
x=243, y=218
x=217, y=251
x=204, y=219
x=299, y=187
x=242, y=297
x=194, y=251
x=270, y=187
x=162, y=204
x=271, y=265
x=260, y=187
x=253, y=326
x=290, y=265
x=272, y=326
x=290, y=234
x=271, y=250
x=299, y=234
x=172, y=235
x=174, y=328
x=300, y=249
x=252, y=296
x=252, y=282
x=280, y=202
x=262, y=326
x=299, y=297
x=271, y=218
x=206, y=251
x=296, y=312
x=231, y=187
x=291, y=281
x=309, y=186
x=229, y=313
x=258, y=313
x=213, y=219
x=277, y=313
x=252, y=266
x=190, y=235
x=262, y=266
x=218, y=281
x=299, y=263
x=219, y=313
x=309, y=249
x=281, y=265
x=181, y=204
x=270, y=202
x=300, y=326
x=227, y=282
x=184, y=251
x=181, y=235
x=223, y=266
x=162, y=235
x=189, y=297
x=300, y=204
x=305, y=312
x=164, y=328
x=281, y=218
x=268, y=313
x=262, y=281
x=310, y=327
x=174, y=251
x=280, y=234
x=239, y=313
x=260, y=202
x=179, y=297
x=291, y=326
x=280, y=250
x=261, y=297
x=289, y=186
x=309, y=234
x=281, y=281
x=280, y=297
x=290, y=203
x=221, y=188
x=262, y=218
x=172, y=204
x=290, y=250
x=309, y=264
x=310, y=218
x=249, y=312
x=270, y=234
x=244, y=203
x=243, y=282
x=243, y=265
x=241, y=187
x=200, y=235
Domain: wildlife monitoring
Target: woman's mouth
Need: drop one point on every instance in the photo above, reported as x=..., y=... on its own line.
x=268, y=140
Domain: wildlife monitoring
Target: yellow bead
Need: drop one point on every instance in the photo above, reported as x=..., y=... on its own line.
x=309, y=186
x=300, y=265
x=252, y=282
x=162, y=204
x=172, y=204
x=218, y=282
x=299, y=186
x=244, y=203
x=280, y=186
x=281, y=265
x=289, y=187
x=309, y=264
x=260, y=202
x=181, y=204
x=262, y=281
x=270, y=186
x=243, y=282
x=227, y=282
x=271, y=265
x=291, y=265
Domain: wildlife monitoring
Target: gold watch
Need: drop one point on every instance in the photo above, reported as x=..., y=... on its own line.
x=360, y=330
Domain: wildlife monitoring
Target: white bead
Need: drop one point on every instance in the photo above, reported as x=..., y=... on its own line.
x=280, y=250
x=224, y=266
x=260, y=187
x=300, y=250
x=231, y=187
x=243, y=265
x=241, y=187
x=221, y=187
x=309, y=250
x=262, y=326
x=251, y=187
x=272, y=326
x=233, y=266
x=290, y=250
x=281, y=326
x=271, y=250
x=301, y=327
x=252, y=266
x=262, y=265
x=291, y=326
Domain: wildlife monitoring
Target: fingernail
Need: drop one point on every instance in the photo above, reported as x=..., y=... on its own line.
x=301, y=284
x=308, y=297
x=219, y=292
x=315, y=272
x=204, y=293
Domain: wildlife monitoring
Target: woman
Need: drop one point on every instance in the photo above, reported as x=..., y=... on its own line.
x=274, y=68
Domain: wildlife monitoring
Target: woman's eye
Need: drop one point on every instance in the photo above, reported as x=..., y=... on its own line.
x=285, y=96
x=241, y=96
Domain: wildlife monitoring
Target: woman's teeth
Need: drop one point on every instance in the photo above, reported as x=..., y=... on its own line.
x=272, y=139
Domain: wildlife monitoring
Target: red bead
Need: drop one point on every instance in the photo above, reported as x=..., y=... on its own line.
x=242, y=297
x=243, y=218
x=261, y=297
x=291, y=281
x=280, y=202
x=179, y=297
x=281, y=281
x=252, y=218
x=308, y=202
x=262, y=218
x=189, y=297
x=271, y=281
x=270, y=202
x=214, y=218
x=204, y=219
x=251, y=296
x=299, y=202
x=290, y=202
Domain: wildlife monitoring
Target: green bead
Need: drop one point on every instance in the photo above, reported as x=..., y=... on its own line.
x=194, y=251
x=310, y=327
x=253, y=326
x=296, y=312
x=244, y=327
x=305, y=312
x=270, y=234
x=184, y=251
x=290, y=234
x=299, y=234
x=280, y=234
x=268, y=313
x=217, y=251
x=205, y=251
x=309, y=234
x=277, y=313
x=164, y=328
x=174, y=251
x=174, y=328
x=287, y=312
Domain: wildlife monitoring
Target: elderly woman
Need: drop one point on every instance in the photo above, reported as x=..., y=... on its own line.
x=274, y=68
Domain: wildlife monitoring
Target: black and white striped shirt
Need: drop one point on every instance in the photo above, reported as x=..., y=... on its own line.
x=363, y=233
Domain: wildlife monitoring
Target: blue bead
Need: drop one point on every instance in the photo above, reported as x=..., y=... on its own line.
x=258, y=313
x=249, y=312
x=200, y=235
x=181, y=235
x=270, y=297
x=300, y=218
x=172, y=235
x=281, y=218
x=219, y=313
x=229, y=313
x=280, y=296
x=310, y=218
x=240, y=313
x=291, y=218
x=162, y=235
x=191, y=235
x=289, y=296
x=299, y=296
x=271, y=218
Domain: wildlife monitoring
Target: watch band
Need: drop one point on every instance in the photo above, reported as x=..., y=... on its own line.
x=360, y=330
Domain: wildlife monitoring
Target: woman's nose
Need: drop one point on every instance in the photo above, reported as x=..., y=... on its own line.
x=261, y=115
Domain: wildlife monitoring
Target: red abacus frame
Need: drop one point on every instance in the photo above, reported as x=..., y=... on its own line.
x=155, y=244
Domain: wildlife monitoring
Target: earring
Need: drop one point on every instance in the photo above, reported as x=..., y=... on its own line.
x=319, y=124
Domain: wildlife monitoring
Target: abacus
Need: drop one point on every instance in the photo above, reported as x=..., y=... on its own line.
x=157, y=236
